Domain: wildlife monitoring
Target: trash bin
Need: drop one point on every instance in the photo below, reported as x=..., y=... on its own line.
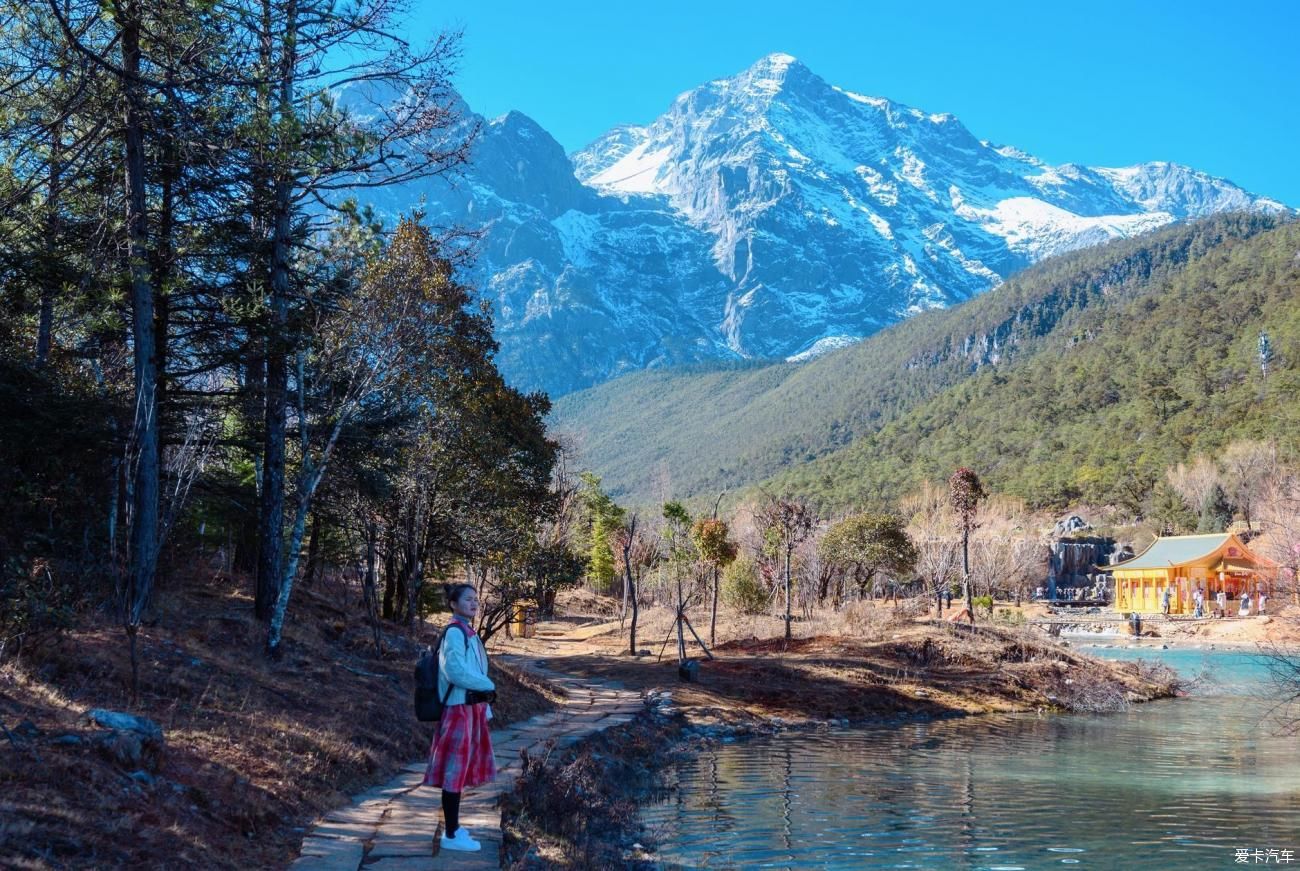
x=523, y=621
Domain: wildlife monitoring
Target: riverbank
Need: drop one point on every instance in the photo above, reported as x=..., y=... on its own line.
x=577, y=807
x=250, y=751
x=578, y=810
x=1280, y=626
x=928, y=668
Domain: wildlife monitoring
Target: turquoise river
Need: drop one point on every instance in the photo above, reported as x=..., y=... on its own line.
x=1186, y=783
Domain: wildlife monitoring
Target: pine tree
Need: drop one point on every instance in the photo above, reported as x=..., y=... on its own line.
x=965, y=493
x=604, y=517
x=1216, y=513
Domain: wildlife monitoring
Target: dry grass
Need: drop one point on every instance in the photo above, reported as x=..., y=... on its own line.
x=255, y=749
x=868, y=660
x=863, y=620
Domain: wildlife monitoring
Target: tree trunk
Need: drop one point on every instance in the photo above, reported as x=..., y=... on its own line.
x=788, y=612
x=399, y=604
x=636, y=611
x=114, y=505
x=414, y=583
x=627, y=587
x=271, y=505
x=629, y=581
x=310, y=474
x=713, y=617
x=546, y=603
x=144, y=437
x=370, y=585
x=277, y=350
x=390, y=582
x=281, y=606
x=965, y=574
x=309, y=479
x=414, y=561
x=245, y=544
x=622, y=615
x=163, y=261
x=681, y=638
x=313, y=550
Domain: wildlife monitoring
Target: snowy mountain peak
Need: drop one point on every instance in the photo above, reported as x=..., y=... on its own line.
x=769, y=214
x=776, y=60
x=769, y=73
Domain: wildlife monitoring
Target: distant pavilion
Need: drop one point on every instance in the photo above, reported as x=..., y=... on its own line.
x=1188, y=562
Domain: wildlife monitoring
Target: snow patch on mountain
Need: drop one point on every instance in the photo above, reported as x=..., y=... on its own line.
x=1038, y=229
x=635, y=172
x=823, y=346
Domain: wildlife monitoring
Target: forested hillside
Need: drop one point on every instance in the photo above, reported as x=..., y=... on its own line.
x=1164, y=369
x=702, y=431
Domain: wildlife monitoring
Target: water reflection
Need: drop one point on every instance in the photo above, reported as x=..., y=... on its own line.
x=1176, y=784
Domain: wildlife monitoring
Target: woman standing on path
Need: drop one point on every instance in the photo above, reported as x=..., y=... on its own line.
x=461, y=755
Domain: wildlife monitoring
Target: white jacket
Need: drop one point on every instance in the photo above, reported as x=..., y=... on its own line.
x=464, y=669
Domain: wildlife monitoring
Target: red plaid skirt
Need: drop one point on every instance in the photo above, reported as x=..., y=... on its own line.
x=461, y=754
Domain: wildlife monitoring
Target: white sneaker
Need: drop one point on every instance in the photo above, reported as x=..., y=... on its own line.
x=462, y=842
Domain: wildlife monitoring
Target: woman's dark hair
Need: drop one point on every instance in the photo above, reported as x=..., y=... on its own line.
x=453, y=592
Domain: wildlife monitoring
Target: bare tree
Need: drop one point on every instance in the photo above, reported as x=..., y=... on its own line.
x=1283, y=664
x=935, y=529
x=559, y=528
x=1279, y=520
x=789, y=520
x=1194, y=482
x=1006, y=552
x=1247, y=468
x=639, y=552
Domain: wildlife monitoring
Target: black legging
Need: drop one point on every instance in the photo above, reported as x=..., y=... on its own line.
x=451, y=812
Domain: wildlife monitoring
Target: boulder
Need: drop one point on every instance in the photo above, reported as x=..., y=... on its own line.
x=132, y=742
x=1070, y=526
x=120, y=722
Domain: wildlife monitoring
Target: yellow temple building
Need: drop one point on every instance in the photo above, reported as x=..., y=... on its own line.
x=1186, y=563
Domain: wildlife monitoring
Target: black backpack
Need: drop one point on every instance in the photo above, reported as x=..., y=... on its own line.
x=428, y=707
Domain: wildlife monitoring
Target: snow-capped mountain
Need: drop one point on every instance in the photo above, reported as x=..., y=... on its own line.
x=769, y=214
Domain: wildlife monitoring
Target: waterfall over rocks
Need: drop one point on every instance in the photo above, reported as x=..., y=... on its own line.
x=1072, y=571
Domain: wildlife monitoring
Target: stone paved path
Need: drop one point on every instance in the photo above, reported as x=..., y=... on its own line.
x=391, y=827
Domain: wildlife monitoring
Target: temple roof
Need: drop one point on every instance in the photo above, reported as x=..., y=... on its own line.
x=1192, y=550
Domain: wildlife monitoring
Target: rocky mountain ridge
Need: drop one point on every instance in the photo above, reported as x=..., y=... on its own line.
x=767, y=215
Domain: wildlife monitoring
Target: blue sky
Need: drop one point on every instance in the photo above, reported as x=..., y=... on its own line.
x=1212, y=85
